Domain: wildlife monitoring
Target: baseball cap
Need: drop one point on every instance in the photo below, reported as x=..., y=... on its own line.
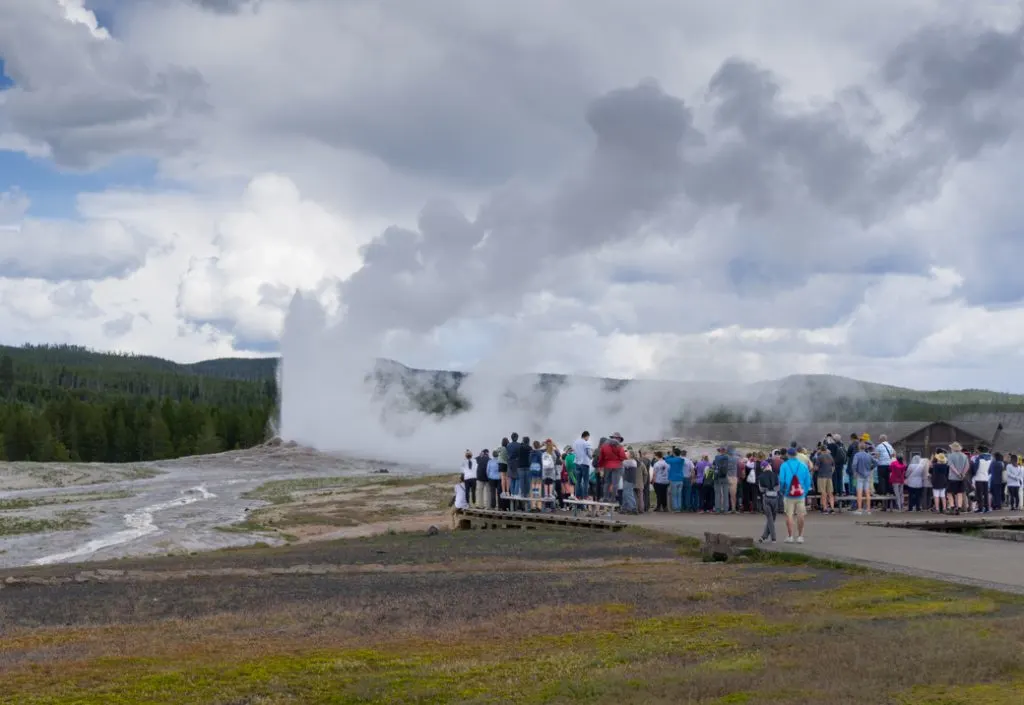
x=791, y=451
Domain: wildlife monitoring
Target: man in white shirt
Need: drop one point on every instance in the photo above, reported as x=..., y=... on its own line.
x=886, y=454
x=584, y=452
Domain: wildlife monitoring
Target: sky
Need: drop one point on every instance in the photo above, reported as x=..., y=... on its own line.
x=662, y=188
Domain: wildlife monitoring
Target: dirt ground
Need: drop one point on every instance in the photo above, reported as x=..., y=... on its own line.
x=498, y=617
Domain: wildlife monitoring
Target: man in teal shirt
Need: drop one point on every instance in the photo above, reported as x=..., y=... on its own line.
x=795, y=481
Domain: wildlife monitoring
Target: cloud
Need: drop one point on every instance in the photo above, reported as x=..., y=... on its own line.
x=85, y=96
x=64, y=250
x=118, y=327
x=574, y=186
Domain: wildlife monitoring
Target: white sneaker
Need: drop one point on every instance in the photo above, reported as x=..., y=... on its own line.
x=857, y=512
x=789, y=539
x=799, y=539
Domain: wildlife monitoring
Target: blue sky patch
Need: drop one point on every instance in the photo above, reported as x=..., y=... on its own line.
x=53, y=191
x=5, y=80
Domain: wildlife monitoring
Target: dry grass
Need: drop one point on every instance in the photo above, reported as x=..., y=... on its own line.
x=507, y=617
x=305, y=507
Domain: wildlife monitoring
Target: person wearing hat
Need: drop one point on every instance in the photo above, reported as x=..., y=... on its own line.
x=795, y=481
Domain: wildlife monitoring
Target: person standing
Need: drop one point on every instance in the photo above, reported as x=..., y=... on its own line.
x=981, y=469
x=861, y=466
x=959, y=469
x=735, y=467
x=722, y=466
x=825, y=468
x=677, y=480
x=897, y=477
x=469, y=477
x=794, y=479
x=512, y=451
x=1014, y=482
x=940, y=479
x=915, y=482
x=504, y=486
x=629, y=473
x=691, y=499
x=659, y=472
x=525, y=451
x=851, y=451
x=886, y=453
x=493, y=479
x=611, y=456
x=995, y=482
x=584, y=459
x=835, y=447
x=482, y=498
x=768, y=484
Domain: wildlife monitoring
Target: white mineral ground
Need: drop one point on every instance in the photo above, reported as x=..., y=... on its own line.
x=179, y=509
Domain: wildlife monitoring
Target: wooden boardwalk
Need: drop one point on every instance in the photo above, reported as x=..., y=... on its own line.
x=495, y=519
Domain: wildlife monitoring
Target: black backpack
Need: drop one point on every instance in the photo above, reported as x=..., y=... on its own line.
x=722, y=466
x=841, y=455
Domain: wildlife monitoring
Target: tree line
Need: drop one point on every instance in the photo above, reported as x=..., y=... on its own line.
x=66, y=403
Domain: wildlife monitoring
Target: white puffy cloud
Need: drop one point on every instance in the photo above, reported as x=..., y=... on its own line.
x=655, y=188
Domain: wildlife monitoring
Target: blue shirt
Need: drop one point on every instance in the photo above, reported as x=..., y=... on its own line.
x=675, y=468
x=492, y=469
x=861, y=464
x=791, y=470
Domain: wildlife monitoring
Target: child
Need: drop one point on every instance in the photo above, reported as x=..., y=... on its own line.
x=768, y=484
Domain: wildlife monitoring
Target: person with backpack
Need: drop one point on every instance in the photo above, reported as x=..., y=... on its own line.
x=525, y=453
x=850, y=481
x=795, y=481
x=483, y=487
x=721, y=466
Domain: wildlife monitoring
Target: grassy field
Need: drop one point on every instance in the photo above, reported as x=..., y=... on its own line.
x=301, y=506
x=18, y=503
x=63, y=521
x=499, y=617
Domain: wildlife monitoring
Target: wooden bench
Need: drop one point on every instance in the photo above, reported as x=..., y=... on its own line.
x=513, y=498
x=885, y=500
x=591, y=507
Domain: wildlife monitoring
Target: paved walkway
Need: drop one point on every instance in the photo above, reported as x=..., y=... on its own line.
x=844, y=537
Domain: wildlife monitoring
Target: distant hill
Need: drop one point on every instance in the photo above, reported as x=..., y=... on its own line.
x=232, y=368
x=797, y=397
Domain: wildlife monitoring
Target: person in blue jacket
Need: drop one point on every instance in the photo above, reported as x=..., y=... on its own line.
x=676, y=476
x=795, y=481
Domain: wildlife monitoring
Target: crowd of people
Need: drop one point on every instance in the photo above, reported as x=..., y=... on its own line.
x=955, y=480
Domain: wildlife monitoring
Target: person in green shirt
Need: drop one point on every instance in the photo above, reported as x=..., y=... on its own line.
x=569, y=481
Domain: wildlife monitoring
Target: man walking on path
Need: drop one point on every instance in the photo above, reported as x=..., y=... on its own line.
x=768, y=483
x=795, y=480
x=584, y=458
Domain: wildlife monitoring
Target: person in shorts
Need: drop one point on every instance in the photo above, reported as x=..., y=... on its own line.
x=795, y=481
x=825, y=468
x=959, y=470
x=940, y=481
